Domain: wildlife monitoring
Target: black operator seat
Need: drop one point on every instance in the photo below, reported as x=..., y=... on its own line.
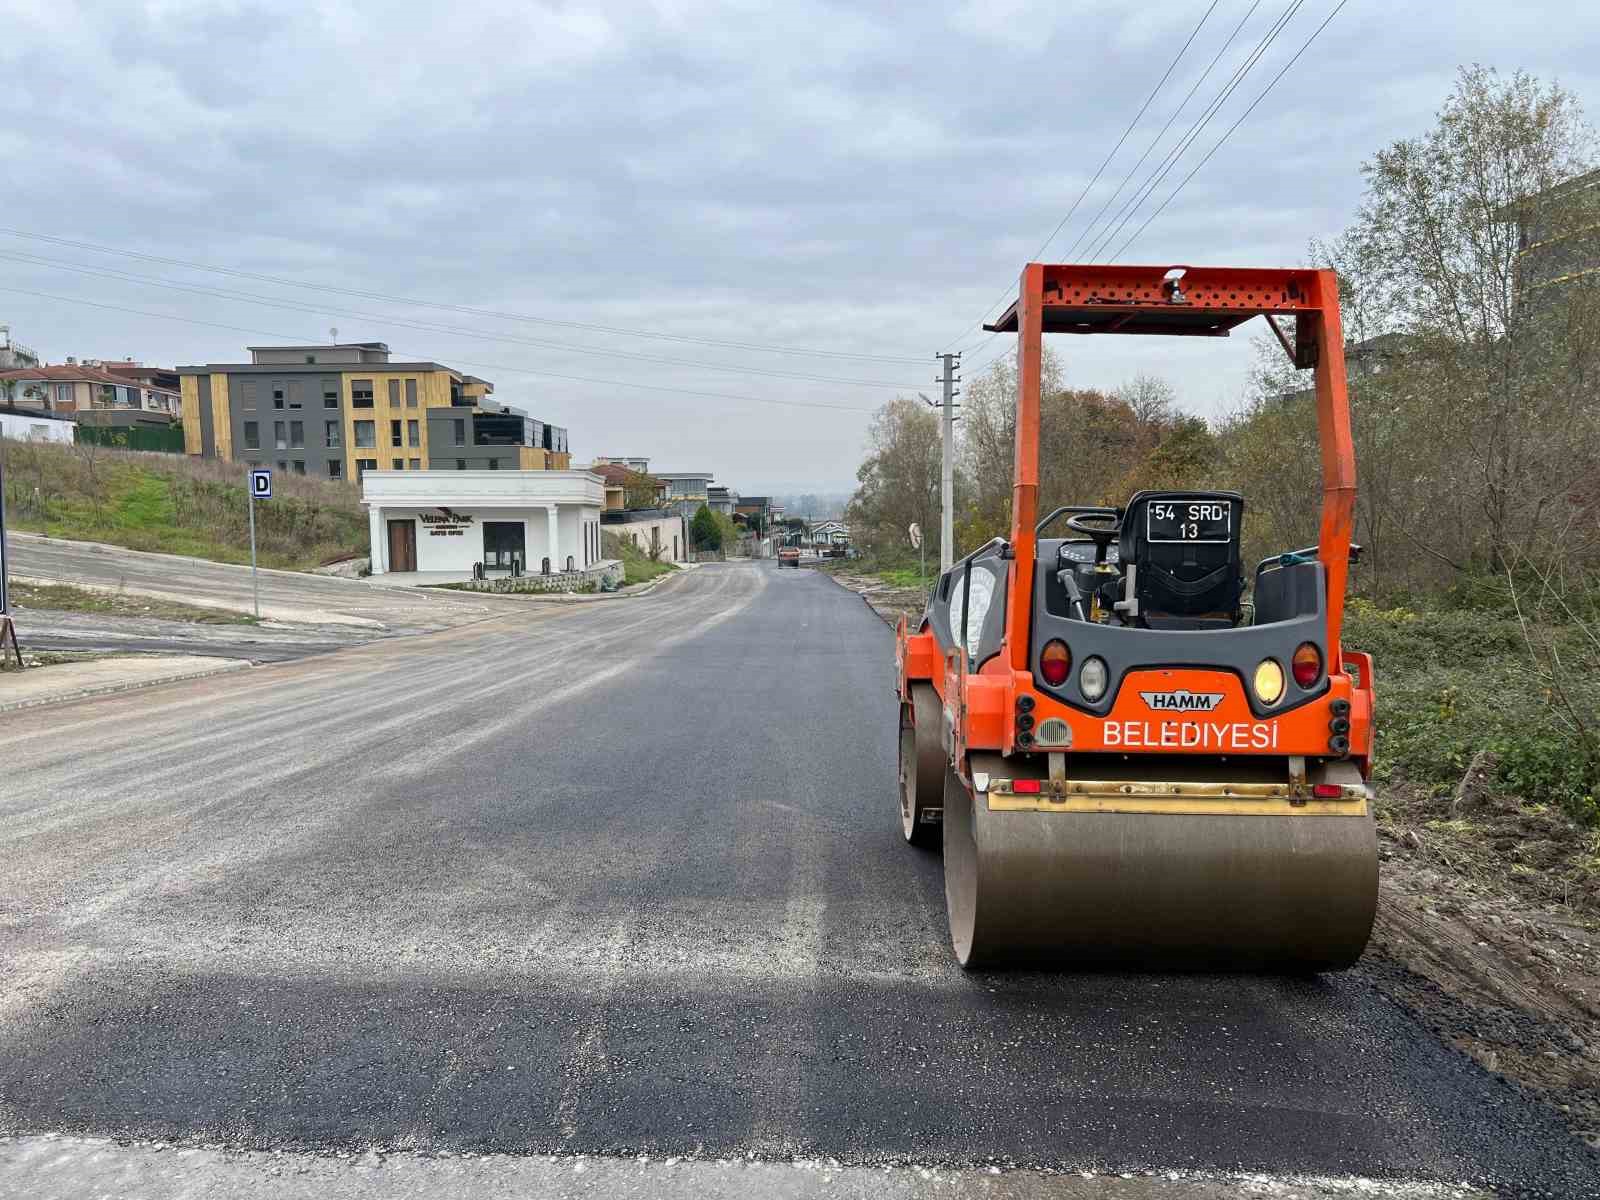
x=1181, y=561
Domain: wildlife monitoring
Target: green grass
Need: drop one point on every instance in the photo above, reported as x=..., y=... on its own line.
x=61, y=597
x=177, y=505
x=637, y=566
x=1453, y=683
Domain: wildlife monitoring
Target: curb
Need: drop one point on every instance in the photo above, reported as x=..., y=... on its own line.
x=112, y=689
x=891, y=622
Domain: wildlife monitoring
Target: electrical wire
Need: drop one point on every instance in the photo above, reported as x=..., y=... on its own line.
x=1146, y=189
x=461, y=308
x=449, y=330
x=515, y=370
x=1154, y=92
x=1263, y=95
x=1155, y=141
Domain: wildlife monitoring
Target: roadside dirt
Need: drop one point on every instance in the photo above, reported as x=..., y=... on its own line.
x=1489, y=931
x=1488, y=926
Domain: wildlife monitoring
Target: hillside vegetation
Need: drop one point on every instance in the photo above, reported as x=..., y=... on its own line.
x=178, y=505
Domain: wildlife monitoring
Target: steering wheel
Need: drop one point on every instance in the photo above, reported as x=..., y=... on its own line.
x=1099, y=527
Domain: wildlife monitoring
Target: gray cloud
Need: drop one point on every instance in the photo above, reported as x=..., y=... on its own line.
x=834, y=177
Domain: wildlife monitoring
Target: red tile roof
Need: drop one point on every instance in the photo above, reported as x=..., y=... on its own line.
x=64, y=375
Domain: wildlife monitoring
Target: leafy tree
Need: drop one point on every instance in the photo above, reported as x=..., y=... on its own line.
x=898, y=483
x=704, y=530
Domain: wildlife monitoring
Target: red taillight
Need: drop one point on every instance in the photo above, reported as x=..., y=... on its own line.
x=1306, y=664
x=1326, y=791
x=1055, y=662
x=1028, y=787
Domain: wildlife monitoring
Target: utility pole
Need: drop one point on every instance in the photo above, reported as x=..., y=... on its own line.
x=947, y=541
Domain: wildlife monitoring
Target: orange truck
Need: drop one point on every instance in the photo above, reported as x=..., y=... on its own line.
x=1123, y=760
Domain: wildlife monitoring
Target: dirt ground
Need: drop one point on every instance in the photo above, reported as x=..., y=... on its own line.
x=1488, y=926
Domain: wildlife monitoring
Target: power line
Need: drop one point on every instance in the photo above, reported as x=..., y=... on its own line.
x=1176, y=113
x=515, y=370
x=461, y=308
x=1146, y=189
x=1285, y=70
x=1148, y=100
x=429, y=327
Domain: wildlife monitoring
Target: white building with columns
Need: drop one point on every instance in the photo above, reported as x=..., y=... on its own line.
x=442, y=523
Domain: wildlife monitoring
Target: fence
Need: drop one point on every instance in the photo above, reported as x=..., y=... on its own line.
x=164, y=441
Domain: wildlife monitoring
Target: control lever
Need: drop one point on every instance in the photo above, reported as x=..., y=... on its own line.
x=1069, y=581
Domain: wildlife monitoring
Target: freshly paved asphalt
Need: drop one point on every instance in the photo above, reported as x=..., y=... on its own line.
x=624, y=879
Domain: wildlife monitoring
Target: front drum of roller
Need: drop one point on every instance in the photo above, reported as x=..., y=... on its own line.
x=1156, y=891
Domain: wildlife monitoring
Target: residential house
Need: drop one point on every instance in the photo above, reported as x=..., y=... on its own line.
x=641, y=465
x=90, y=394
x=35, y=425
x=655, y=529
x=14, y=355
x=339, y=410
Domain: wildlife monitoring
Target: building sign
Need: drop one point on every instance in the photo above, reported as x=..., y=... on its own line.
x=445, y=522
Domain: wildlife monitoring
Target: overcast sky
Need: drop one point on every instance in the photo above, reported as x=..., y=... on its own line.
x=834, y=180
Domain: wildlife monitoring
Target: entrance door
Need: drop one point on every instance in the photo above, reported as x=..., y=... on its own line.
x=402, y=545
x=504, y=543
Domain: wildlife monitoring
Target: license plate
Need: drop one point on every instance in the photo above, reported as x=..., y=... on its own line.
x=1189, y=521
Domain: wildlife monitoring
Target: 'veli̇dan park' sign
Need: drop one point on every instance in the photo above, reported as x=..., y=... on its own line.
x=445, y=523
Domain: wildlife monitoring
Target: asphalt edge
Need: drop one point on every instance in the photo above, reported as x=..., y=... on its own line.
x=133, y=685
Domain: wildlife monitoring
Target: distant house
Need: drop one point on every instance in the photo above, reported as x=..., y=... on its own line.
x=641, y=465
x=1558, y=235
x=78, y=389
x=655, y=529
x=35, y=425
x=13, y=354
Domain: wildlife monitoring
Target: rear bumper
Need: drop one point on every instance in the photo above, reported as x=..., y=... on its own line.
x=1176, y=797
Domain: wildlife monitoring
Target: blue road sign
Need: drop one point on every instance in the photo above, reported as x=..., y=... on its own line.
x=261, y=483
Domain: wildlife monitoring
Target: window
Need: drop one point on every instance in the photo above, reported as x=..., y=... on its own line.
x=330, y=434
x=494, y=464
x=247, y=394
x=415, y=464
x=363, y=465
x=252, y=435
x=461, y=464
x=277, y=393
x=280, y=434
x=335, y=469
x=459, y=428
x=283, y=465
x=411, y=393
x=366, y=434
x=361, y=393
x=398, y=463
x=299, y=466
x=330, y=393
x=311, y=358
x=394, y=393
x=63, y=393
x=297, y=434
x=413, y=434
x=394, y=434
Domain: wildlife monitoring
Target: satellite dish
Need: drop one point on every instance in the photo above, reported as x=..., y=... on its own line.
x=915, y=533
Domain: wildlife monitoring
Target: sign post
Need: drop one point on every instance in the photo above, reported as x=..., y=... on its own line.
x=260, y=480
x=8, y=629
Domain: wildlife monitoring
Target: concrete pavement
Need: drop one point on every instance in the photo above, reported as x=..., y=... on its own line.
x=291, y=596
x=625, y=879
x=103, y=676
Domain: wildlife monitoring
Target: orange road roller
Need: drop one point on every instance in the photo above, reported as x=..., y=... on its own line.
x=1132, y=753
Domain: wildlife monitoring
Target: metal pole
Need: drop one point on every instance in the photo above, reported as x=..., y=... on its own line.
x=947, y=469
x=5, y=563
x=255, y=582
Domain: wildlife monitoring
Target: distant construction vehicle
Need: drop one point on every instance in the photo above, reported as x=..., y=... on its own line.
x=1124, y=761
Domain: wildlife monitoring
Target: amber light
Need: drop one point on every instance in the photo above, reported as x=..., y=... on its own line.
x=1306, y=664
x=1055, y=662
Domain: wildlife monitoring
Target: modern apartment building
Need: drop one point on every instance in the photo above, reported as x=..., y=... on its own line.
x=336, y=411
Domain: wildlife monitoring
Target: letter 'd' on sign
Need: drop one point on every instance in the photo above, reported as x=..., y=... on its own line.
x=261, y=484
